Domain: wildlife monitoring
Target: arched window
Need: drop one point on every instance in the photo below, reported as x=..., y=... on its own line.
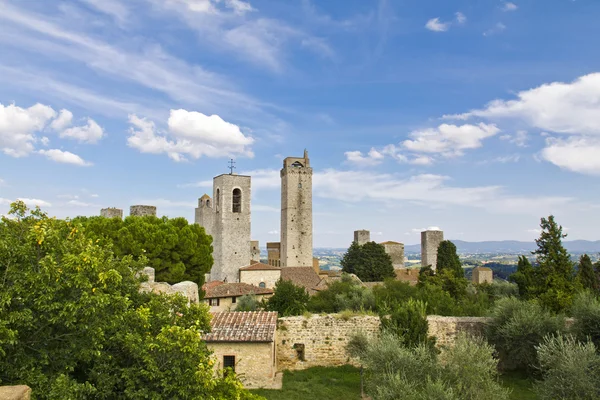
x=297, y=164
x=262, y=285
x=237, y=201
x=207, y=203
x=218, y=200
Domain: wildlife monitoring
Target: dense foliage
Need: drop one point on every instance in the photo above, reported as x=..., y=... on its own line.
x=586, y=315
x=346, y=293
x=288, y=299
x=448, y=260
x=176, y=250
x=586, y=274
x=408, y=322
x=74, y=326
x=369, y=262
x=248, y=302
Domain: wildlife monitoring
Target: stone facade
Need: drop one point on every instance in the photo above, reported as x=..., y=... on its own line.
x=19, y=392
x=254, y=251
x=482, y=275
x=142, y=211
x=446, y=329
x=186, y=288
x=430, y=240
x=256, y=363
x=296, y=212
x=227, y=304
x=111, y=212
x=227, y=220
x=361, y=237
x=255, y=277
x=319, y=340
x=274, y=254
x=396, y=252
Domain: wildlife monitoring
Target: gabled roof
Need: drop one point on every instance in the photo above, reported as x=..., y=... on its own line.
x=482, y=268
x=232, y=290
x=259, y=267
x=301, y=276
x=204, y=197
x=410, y=275
x=246, y=326
x=390, y=242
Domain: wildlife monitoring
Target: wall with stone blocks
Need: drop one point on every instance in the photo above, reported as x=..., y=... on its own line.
x=323, y=337
x=446, y=329
x=187, y=288
x=20, y=392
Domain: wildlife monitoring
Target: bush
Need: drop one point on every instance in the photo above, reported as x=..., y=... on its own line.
x=409, y=323
x=571, y=369
x=344, y=294
x=288, y=299
x=516, y=328
x=248, y=302
x=586, y=312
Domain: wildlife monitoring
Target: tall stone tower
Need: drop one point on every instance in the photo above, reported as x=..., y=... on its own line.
x=361, y=237
x=296, y=212
x=226, y=217
x=111, y=212
x=430, y=241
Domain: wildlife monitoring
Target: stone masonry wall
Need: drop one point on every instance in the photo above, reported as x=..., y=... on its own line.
x=324, y=338
x=111, y=212
x=140, y=210
x=446, y=329
x=430, y=241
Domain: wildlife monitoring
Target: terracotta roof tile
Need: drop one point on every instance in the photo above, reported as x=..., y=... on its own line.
x=410, y=275
x=259, y=267
x=233, y=290
x=247, y=326
x=390, y=242
x=301, y=276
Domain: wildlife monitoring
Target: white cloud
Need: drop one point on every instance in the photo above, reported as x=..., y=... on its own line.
x=373, y=158
x=94, y=195
x=90, y=133
x=65, y=157
x=577, y=154
x=63, y=121
x=19, y=125
x=499, y=27
x=68, y=196
x=519, y=139
x=435, y=25
x=450, y=140
x=460, y=17
x=35, y=202
x=508, y=6
x=274, y=232
x=572, y=108
x=78, y=203
x=45, y=141
x=422, y=160
x=113, y=8
x=238, y=6
x=190, y=133
x=319, y=46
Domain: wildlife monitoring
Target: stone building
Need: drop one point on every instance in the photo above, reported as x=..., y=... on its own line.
x=261, y=275
x=227, y=220
x=254, y=251
x=482, y=275
x=274, y=254
x=222, y=297
x=245, y=342
x=430, y=241
x=186, y=288
x=410, y=275
x=112, y=212
x=296, y=212
x=142, y=211
x=396, y=252
x=361, y=237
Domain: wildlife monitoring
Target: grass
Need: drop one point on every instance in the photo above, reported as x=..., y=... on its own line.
x=323, y=383
x=522, y=388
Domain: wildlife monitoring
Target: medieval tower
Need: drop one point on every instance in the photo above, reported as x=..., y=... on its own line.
x=226, y=217
x=296, y=212
x=430, y=241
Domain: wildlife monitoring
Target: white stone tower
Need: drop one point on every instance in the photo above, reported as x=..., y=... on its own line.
x=430, y=241
x=226, y=217
x=296, y=212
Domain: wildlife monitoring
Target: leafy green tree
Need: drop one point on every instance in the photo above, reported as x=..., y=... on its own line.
x=448, y=260
x=586, y=317
x=344, y=294
x=586, y=274
x=288, y=299
x=409, y=323
x=176, y=250
x=73, y=324
x=525, y=279
x=247, y=302
x=369, y=262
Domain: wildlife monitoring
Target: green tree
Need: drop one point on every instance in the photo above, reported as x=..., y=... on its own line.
x=369, y=262
x=344, y=294
x=586, y=274
x=408, y=322
x=73, y=324
x=525, y=278
x=247, y=302
x=288, y=299
x=448, y=260
x=176, y=250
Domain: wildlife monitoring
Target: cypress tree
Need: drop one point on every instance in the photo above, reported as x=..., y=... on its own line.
x=448, y=260
x=586, y=275
x=525, y=278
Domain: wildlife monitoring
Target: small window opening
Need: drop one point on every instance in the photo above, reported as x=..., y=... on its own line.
x=233, y=300
x=213, y=302
x=297, y=164
x=299, y=347
x=237, y=201
x=229, y=362
x=299, y=186
x=262, y=285
x=218, y=200
x=207, y=203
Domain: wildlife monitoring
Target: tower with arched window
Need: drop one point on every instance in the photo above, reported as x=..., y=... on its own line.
x=296, y=212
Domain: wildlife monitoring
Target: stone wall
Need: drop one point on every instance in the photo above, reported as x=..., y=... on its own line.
x=396, y=252
x=430, y=241
x=186, y=288
x=361, y=237
x=19, y=392
x=445, y=329
x=111, y=212
x=319, y=340
x=141, y=211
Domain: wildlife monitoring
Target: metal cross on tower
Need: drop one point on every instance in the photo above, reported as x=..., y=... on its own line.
x=231, y=166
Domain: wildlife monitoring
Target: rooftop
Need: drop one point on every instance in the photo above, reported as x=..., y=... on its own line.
x=259, y=267
x=301, y=276
x=390, y=242
x=222, y=289
x=247, y=326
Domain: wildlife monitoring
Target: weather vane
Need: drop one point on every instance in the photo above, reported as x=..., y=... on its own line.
x=231, y=166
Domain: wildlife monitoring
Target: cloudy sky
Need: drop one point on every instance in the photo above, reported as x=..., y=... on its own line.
x=479, y=117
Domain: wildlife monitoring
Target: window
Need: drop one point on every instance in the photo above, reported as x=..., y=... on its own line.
x=299, y=347
x=262, y=285
x=237, y=201
x=299, y=186
x=233, y=300
x=297, y=164
x=218, y=200
x=213, y=302
x=229, y=362
x=207, y=203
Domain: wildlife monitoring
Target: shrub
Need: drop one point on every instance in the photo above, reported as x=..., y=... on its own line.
x=409, y=322
x=516, y=328
x=344, y=294
x=248, y=302
x=586, y=312
x=571, y=369
x=288, y=299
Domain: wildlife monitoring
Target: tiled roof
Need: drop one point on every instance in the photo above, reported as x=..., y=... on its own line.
x=205, y=196
x=301, y=276
x=232, y=290
x=482, y=269
x=273, y=245
x=410, y=275
x=390, y=242
x=259, y=267
x=247, y=326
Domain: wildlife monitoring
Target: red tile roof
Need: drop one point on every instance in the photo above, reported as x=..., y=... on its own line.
x=259, y=267
x=246, y=326
x=232, y=290
x=301, y=276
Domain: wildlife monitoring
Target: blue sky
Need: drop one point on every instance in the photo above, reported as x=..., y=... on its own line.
x=478, y=117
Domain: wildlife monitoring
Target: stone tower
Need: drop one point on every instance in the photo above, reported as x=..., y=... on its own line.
x=430, y=240
x=361, y=237
x=226, y=217
x=296, y=212
x=141, y=211
x=111, y=212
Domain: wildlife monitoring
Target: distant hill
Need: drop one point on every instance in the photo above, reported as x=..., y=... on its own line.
x=513, y=246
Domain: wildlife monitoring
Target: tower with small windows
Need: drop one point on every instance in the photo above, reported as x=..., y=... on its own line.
x=226, y=217
x=296, y=212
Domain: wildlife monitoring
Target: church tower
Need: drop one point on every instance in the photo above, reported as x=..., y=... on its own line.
x=226, y=217
x=296, y=212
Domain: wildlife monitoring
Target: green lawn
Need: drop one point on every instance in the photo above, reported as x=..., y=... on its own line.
x=320, y=383
x=521, y=386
